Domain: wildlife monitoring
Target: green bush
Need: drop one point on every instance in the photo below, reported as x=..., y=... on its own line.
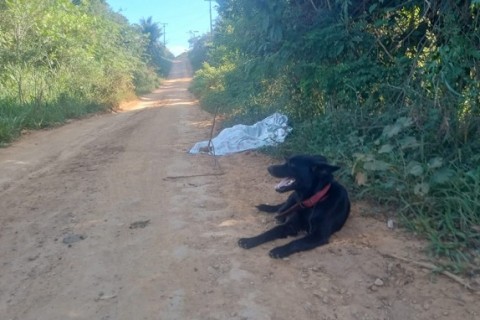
x=145, y=81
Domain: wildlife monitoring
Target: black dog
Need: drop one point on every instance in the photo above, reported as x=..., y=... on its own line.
x=319, y=205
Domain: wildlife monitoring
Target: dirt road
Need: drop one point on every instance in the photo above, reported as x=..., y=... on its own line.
x=110, y=218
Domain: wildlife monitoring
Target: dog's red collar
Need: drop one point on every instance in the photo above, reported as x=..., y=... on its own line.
x=309, y=203
x=316, y=198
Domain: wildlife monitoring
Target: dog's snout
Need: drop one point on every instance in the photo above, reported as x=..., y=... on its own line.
x=277, y=171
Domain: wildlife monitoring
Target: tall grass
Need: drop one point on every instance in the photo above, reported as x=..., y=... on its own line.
x=14, y=117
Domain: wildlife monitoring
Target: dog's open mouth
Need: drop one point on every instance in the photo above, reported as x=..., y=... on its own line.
x=284, y=184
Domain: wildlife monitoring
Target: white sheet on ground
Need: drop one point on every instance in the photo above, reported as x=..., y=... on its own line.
x=268, y=132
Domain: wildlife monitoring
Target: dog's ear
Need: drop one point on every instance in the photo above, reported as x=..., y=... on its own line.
x=325, y=168
x=332, y=168
x=319, y=159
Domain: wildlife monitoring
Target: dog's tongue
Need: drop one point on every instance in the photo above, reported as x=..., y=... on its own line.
x=284, y=183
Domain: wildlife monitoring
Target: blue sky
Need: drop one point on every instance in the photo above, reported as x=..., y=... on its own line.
x=181, y=16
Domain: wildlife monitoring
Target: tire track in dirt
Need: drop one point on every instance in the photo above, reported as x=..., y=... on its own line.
x=110, y=218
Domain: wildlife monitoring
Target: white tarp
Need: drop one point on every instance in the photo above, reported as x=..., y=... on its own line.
x=268, y=132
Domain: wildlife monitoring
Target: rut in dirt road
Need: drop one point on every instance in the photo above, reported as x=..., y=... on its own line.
x=110, y=218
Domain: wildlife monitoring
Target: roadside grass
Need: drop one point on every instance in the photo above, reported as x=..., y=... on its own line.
x=450, y=219
x=11, y=122
x=14, y=118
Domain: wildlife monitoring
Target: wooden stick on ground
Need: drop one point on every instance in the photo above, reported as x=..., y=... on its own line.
x=194, y=176
x=435, y=269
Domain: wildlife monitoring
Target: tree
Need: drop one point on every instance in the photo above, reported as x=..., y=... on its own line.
x=152, y=30
x=158, y=55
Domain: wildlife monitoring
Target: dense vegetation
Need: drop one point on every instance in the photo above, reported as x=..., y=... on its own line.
x=61, y=59
x=390, y=89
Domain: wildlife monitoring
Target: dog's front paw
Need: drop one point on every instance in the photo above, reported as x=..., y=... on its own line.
x=266, y=208
x=246, y=243
x=278, y=253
